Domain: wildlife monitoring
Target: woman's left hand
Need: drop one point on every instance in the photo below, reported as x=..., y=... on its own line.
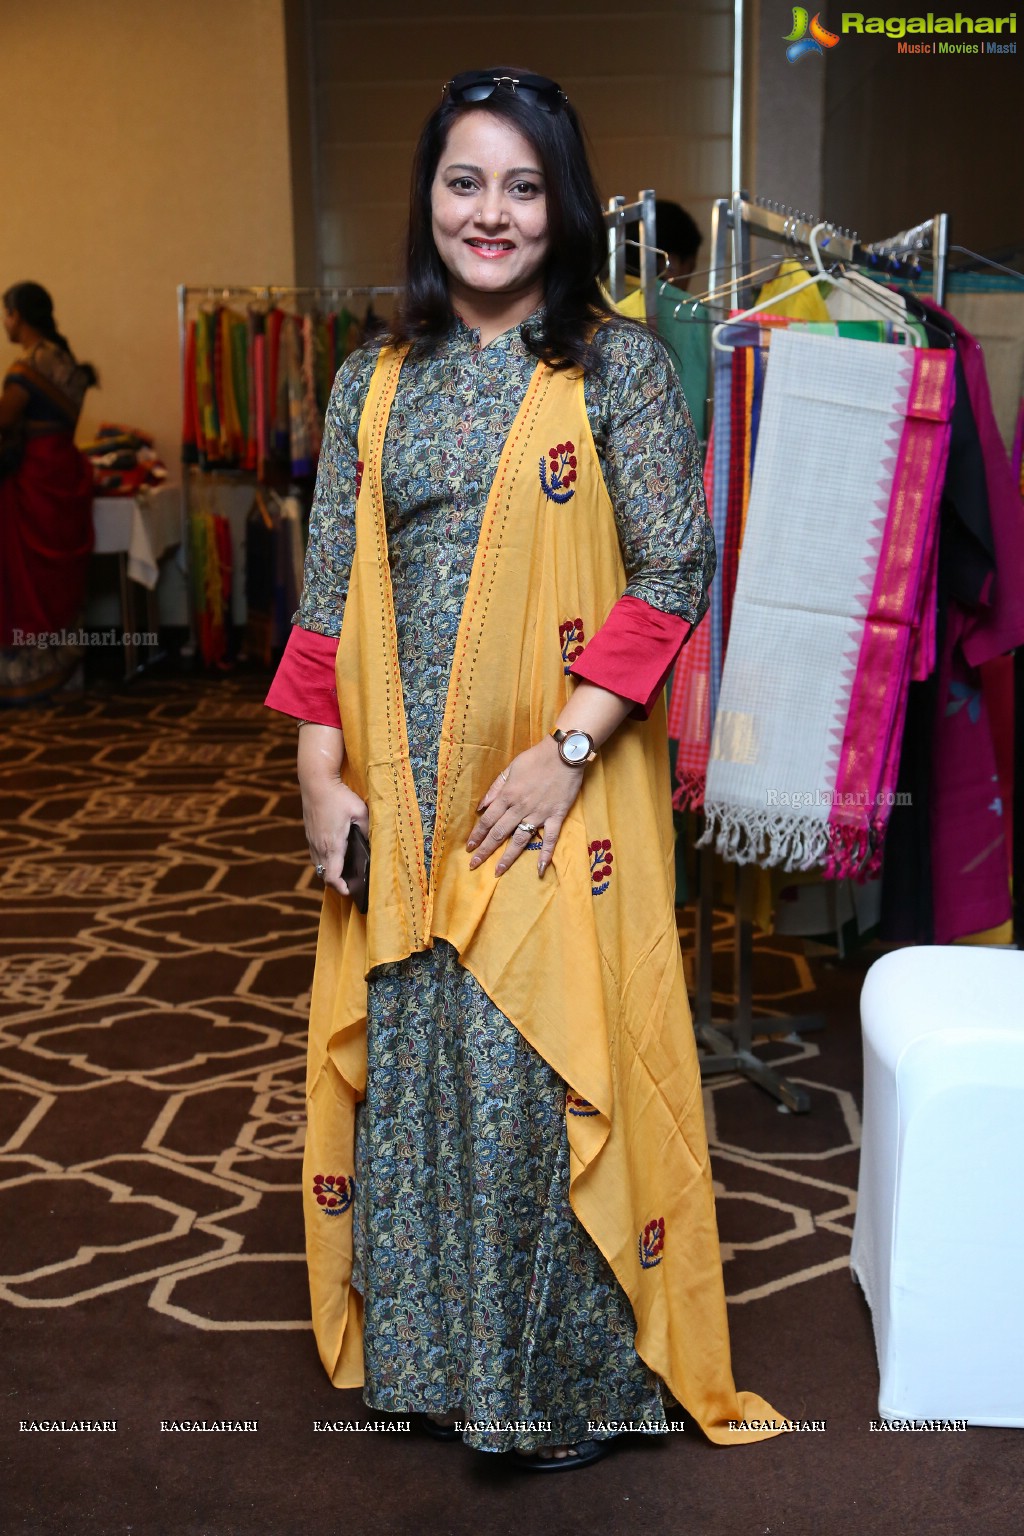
x=537, y=789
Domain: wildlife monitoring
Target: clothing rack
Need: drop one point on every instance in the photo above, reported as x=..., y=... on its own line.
x=270, y=294
x=738, y=219
x=619, y=215
x=728, y=1043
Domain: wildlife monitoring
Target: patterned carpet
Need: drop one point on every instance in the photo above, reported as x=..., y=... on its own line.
x=159, y=916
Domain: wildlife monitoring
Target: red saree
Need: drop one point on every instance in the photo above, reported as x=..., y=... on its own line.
x=46, y=533
x=45, y=539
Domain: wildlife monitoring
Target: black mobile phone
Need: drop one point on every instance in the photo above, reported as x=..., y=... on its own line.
x=356, y=869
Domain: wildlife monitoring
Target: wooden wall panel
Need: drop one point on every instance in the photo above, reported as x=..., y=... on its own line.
x=654, y=89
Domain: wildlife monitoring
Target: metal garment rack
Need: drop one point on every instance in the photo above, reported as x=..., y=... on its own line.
x=619, y=215
x=264, y=293
x=736, y=220
x=728, y=1043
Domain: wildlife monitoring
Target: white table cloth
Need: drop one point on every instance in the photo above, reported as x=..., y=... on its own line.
x=938, y=1243
x=143, y=527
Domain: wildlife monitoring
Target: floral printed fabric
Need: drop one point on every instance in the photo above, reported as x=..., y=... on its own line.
x=483, y=1294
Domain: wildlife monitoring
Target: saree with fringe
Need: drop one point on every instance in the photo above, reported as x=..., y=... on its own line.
x=852, y=447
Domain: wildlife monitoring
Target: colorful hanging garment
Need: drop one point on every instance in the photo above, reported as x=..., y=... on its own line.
x=259, y=351
x=253, y=330
x=299, y=448
x=210, y=542
x=238, y=332
x=208, y=423
x=852, y=446
x=739, y=383
x=739, y=374
x=684, y=327
x=689, y=707
x=190, y=403
x=968, y=853
x=256, y=388
x=313, y=416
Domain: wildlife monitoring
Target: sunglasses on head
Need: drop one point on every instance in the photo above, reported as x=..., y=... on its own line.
x=479, y=84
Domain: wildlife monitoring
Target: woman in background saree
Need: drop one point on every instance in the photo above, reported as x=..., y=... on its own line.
x=46, y=532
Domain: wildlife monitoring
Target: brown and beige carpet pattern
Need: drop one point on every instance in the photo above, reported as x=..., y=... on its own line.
x=158, y=925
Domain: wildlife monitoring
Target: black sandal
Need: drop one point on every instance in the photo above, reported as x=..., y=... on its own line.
x=437, y=1431
x=581, y=1455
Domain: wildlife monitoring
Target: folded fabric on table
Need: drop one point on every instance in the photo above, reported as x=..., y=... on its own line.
x=851, y=452
x=123, y=460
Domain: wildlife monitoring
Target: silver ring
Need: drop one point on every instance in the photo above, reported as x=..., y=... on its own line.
x=504, y=776
x=321, y=870
x=524, y=826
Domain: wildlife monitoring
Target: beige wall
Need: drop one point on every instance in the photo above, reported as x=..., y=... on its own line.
x=653, y=86
x=146, y=143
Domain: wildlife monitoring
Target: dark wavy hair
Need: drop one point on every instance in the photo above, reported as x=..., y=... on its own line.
x=34, y=305
x=573, y=300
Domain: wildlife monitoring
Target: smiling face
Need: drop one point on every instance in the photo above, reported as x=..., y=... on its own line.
x=489, y=218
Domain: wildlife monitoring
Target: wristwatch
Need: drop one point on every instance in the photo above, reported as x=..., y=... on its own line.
x=575, y=748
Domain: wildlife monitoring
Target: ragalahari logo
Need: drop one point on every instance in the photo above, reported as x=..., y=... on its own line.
x=800, y=43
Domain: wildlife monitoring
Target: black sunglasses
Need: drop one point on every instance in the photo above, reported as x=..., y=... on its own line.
x=479, y=84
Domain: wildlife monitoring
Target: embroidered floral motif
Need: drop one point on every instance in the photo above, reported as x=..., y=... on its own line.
x=577, y=1106
x=333, y=1192
x=601, y=857
x=558, y=473
x=573, y=639
x=652, y=1243
x=359, y=475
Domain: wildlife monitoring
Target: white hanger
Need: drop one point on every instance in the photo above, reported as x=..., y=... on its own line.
x=820, y=275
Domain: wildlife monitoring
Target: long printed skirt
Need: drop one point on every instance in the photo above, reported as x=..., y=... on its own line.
x=484, y=1296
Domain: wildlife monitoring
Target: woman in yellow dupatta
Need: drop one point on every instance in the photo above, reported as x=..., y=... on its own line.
x=509, y=1215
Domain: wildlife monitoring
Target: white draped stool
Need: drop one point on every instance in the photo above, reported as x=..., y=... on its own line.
x=938, y=1242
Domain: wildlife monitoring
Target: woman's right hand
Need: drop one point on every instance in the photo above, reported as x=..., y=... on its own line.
x=329, y=807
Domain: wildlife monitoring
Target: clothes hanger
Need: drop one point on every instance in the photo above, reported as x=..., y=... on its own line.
x=714, y=294
x=872, y=293
x=771, y=263
x=820, y=275
x=642, y=247
x=986, y=261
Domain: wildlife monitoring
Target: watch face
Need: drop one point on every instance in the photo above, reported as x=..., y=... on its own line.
x=576, y=747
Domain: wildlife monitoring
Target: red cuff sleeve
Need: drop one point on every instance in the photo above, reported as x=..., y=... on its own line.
x=633, y=653
x=304, y=683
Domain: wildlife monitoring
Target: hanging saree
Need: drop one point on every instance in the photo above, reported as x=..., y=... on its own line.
x=687, y=336
x=805, y=739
